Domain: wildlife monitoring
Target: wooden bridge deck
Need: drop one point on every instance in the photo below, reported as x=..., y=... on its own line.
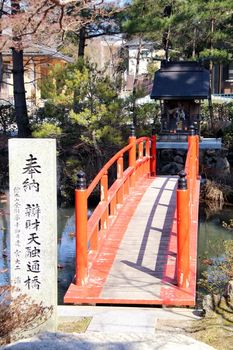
x=137, y=262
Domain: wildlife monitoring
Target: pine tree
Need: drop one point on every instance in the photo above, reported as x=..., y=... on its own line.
x=93, y=109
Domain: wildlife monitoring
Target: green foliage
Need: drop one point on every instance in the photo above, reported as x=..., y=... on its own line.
x=88, y=98
x=228, y=136
x=222, y=119
x=47, y=130
x=147, y=114
x=193, y=29
x=216, y=55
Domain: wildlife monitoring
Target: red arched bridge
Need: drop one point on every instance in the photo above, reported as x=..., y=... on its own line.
x=140, y=244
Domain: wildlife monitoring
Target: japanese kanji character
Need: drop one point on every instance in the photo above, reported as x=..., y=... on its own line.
x=33, y=238
x=31, y=166
x=33, y=266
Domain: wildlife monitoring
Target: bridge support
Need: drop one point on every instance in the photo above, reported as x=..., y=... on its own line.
x=183, y=225
x=81, y=229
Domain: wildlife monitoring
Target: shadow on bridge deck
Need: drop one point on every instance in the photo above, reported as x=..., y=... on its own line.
x=137, y=262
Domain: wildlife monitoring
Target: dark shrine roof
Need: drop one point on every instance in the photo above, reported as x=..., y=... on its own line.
x=181, y=80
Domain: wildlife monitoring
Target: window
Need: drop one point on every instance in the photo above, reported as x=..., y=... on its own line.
x=230, y=71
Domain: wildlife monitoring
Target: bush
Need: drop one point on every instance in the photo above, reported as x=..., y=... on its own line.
x=19, y=313
x=220, y=271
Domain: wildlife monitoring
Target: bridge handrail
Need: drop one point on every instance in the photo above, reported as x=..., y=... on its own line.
x=105, y=168
x=90, y=233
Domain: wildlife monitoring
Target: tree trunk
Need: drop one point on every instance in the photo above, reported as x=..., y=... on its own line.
x=211, y=74
x=1, y=60
x=194, y=42
x=97, y=151
x=18, y=80
x=135, y=82
x=1, y=71
x=82, y=42
x=19, y=94
x=211, y=48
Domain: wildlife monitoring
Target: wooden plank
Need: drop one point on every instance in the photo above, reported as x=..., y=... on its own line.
x=141, y=229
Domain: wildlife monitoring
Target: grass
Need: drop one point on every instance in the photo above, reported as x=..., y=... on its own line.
x=215, y=329
x=76, y=326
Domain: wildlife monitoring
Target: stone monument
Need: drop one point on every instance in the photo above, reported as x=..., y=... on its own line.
x=33, y=221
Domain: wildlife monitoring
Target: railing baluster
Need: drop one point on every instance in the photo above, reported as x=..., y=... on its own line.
x=104, y=198
x=113, y=206
x=120, y=193
x=140, y=150
x=126, y=187
x=153, y=154
x=140, y=156
x=94, y=240
x=132, y=156
x=148, y=156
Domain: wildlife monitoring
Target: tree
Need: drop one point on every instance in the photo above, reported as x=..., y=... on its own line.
x=191, y=28
x=31, y=21
x=104, y=22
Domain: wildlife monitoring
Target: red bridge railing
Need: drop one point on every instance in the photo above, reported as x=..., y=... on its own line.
x=186, y=205
x=91, y=232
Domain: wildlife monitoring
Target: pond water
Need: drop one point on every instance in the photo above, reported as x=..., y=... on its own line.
x=211, y=234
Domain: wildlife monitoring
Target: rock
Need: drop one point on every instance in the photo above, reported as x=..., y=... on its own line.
x=210, y=152
x=210, y=302
x=211, y=162
x=166, y=168
x=223, y=166
x=167, y=155
x=229, y=292
x=178, y=159
x=172, y=168
x=181, y=152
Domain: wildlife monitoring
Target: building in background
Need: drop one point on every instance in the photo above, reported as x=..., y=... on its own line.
x=37, y=62
x=136, y=60
x=223, y=79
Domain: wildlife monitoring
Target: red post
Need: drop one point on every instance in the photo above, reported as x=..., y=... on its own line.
x=81, y=229
x=94, y=240
x=120, y=192
x=153, y=154
x=183, y=235
x=140, y=156
x=148, y=156
x=113, y=206
x=104, y=198
x=192, y=162
x=197, y=155
x=132, y=156
x=140, y=150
